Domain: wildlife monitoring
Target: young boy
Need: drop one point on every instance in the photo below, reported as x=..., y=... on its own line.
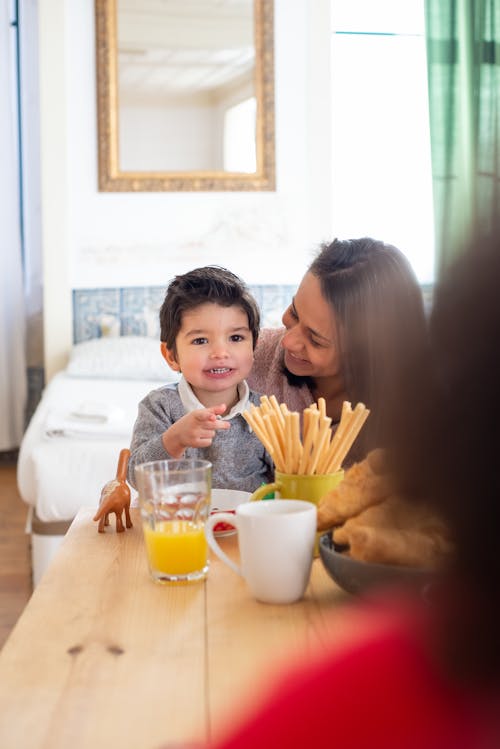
x=209, y=326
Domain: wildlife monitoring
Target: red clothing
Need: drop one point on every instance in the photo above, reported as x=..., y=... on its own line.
x=384, y=692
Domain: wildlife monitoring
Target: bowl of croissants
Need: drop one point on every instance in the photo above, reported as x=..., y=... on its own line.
x=373, y=537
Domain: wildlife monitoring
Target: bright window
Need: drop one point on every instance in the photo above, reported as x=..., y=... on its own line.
x=239, y=137
x=381, y=148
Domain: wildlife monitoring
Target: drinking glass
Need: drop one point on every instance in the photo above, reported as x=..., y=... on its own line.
x=174, y=500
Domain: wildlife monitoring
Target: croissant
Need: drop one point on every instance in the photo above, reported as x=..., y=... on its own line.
x=366, y=483
x=386, y=545
x=376, y=524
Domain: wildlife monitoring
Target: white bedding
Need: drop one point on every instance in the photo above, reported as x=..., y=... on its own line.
x=60, y=473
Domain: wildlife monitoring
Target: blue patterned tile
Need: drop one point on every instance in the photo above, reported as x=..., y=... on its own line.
x=273, y=301
x=96, y=312
x=134, y=311
x=139, y=308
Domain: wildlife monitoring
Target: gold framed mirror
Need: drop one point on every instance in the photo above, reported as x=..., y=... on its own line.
x=185, y=95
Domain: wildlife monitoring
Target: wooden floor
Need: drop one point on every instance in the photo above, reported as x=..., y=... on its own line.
x=15, y=561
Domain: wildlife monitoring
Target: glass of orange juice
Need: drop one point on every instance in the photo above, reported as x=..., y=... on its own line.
x=174, y=498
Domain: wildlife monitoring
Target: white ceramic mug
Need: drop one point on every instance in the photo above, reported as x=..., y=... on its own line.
x=276, y=541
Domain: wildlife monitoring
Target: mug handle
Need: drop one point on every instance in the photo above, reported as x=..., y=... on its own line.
x=261, y=492
x=210, y=523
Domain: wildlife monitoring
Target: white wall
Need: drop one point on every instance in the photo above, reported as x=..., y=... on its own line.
x=94, y=239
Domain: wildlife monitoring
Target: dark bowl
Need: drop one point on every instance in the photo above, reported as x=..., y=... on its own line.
x=357, y=577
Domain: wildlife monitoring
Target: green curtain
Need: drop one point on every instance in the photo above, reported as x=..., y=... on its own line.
x=463, y=60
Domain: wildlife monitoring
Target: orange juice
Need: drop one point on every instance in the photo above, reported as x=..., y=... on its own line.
x=176, y=547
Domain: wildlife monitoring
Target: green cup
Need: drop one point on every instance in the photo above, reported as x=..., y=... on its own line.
x=294, y=486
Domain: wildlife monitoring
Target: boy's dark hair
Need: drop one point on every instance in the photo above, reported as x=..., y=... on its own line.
x=199, y=286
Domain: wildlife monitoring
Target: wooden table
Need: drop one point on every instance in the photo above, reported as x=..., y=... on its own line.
x=104, y=657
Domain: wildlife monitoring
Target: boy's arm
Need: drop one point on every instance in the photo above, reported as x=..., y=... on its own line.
x=153, y=418
x=162, y=431
x=195, y=429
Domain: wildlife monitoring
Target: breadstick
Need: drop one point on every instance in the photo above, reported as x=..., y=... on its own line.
x=279, y=431
x=359, y=416
x=322, y=407
x=265, y=405
x=255, y=419
x=346, y=409
x=357, y=419
x=362, y=417
x=309, y=439
x=297, y=444
x=305, y=422
x=260, y=432
x=257, y=415
x=258, y=419
x=338, y=436
x=321, y=440
x=276, y=406
x=288, y=445
x=277, y=423
x=324, y=459
x=280, y=456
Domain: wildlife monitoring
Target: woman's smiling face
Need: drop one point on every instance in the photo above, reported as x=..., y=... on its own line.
x=311, y=340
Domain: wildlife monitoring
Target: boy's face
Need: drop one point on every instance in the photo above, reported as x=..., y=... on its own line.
x=214, y=350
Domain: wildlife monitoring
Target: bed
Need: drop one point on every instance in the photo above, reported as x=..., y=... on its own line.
x=85, y=417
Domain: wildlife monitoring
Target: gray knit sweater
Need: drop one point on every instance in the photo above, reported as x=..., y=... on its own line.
x=239, y=460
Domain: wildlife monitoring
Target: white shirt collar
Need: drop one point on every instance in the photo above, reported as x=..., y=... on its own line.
x=191, y=402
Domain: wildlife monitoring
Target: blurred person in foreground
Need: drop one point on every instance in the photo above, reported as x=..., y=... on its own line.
x=423, y=671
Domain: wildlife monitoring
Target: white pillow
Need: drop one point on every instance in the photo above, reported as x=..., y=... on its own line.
x=120, y=358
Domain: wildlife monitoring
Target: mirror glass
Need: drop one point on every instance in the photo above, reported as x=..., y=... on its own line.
x=185, y=94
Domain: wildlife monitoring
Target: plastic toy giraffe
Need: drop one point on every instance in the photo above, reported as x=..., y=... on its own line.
x=115, y=497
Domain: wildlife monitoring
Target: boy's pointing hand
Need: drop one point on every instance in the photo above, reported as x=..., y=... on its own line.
x=195, y=429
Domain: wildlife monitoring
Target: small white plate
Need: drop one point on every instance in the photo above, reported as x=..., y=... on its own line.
x=226, y=500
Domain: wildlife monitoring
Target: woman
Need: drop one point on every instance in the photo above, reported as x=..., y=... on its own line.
x=423, y=673
x=347, y=334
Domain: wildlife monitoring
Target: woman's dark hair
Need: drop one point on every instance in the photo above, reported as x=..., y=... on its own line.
x=199, y=286
x=379, y=310
x=450, y=454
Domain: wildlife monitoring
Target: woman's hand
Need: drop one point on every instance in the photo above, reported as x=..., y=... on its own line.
x=195, y=429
